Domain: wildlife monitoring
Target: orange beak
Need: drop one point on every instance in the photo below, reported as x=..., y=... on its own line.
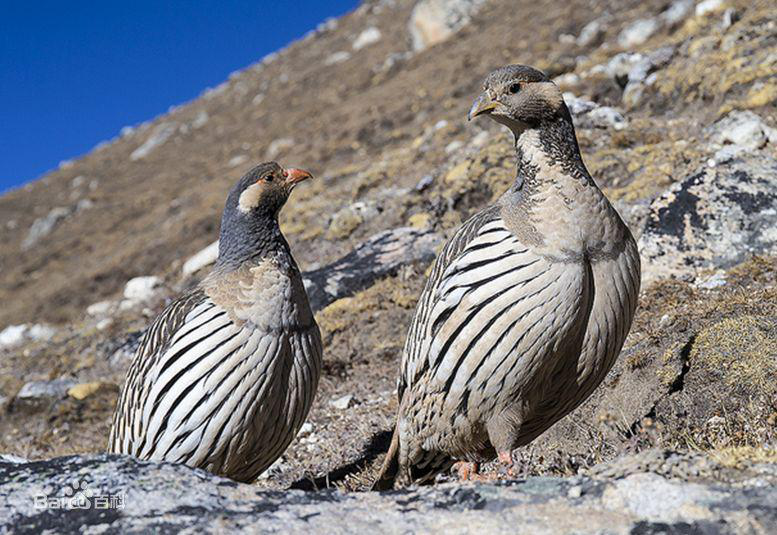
x=295, y=176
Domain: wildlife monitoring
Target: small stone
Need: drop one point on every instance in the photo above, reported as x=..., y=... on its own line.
x=36, y=394
x=424, y=183
x=13, y=335
x=420, y=221
x=337, y=57
x=577, y=106
x=715, y=280
x=743, y=128
x=240, y=159
x=200, y=120
x=368, y=37
x=161, y=133
x=342, y=403
x=104, y=324
x=278, y=146
x=40, y=332
x=77, y=182
x=676, y=12
x=43, y=226
x=606, y=116
x=141, y=289
x=453, y=146
x=101, y=308
x=459, y=172
x=258, y=99
x=709, y=6
x=84, y=390
x=575, y=492
x=439, y=125
x=344, y=222
x=633, y=94
x=638, y=32
x=199, y=260
x=434, y=21
x=306, y=428
x=591, y=33
x=480, y=139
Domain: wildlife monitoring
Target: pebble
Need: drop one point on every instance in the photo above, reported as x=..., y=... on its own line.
x=342, y=403
x=369, y=36
x=141, y=289
x=199, y=260
x=638, y=32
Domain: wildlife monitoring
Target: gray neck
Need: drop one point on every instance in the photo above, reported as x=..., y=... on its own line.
x=249, y=238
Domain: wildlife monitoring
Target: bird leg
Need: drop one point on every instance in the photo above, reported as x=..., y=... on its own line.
x=506, y=458
x=468, y=471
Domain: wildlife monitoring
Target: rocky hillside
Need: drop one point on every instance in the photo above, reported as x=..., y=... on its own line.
x=674, y=103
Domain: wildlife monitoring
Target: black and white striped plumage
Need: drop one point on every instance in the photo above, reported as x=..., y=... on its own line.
x=226, y=375
x=526, y=307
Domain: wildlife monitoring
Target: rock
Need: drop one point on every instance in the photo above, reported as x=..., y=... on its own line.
x=344, y=222
x=13, y=335
x=453, y=146
x=434, y=21
x=306, y=428
x=161, y=133
x=103, y=324
x=381, y=255
x=742, y=128
x=44, y=225
x=101, y=308
x=205, y=257
x=342, y=403
x=278, y=146
x=41, y=333
x=676, y=12
x=578, y=106
x=715, y=218
x=368, y=37
x=84, y=390
x=708, y=7
x=638, y=32
x=716, y=280
x=240, y=159
x=458, y=172
x=77, y=182
x=38, y=395
x=14, y=459
x=646, y=65
x=591, y=33
x=619, y=67
x=141, y=289
x=606, y=117
x=337, y=57
x=121, y=494
x=200, y=120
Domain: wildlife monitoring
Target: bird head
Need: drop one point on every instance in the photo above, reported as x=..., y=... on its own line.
x=249, y=224
x=519, y=97
x=265, y=189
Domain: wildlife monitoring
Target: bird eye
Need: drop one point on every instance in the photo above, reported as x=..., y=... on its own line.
x=515, y=88
x=269, y=178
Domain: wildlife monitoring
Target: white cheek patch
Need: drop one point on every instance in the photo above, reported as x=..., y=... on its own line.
x=249, y=199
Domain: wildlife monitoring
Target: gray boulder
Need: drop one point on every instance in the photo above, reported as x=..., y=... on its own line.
x=118, y=494
x=715, y=218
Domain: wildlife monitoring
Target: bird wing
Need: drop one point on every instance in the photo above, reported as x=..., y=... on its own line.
x=490, y=298
x=413, y=364
x=179, y=380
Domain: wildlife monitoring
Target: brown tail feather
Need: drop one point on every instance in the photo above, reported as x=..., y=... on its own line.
x=390, y=470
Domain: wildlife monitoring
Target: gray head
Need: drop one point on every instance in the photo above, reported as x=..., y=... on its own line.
x=249, y=224
x=519, y=97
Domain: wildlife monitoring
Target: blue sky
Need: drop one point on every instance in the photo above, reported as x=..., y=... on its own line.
x=73, y=73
